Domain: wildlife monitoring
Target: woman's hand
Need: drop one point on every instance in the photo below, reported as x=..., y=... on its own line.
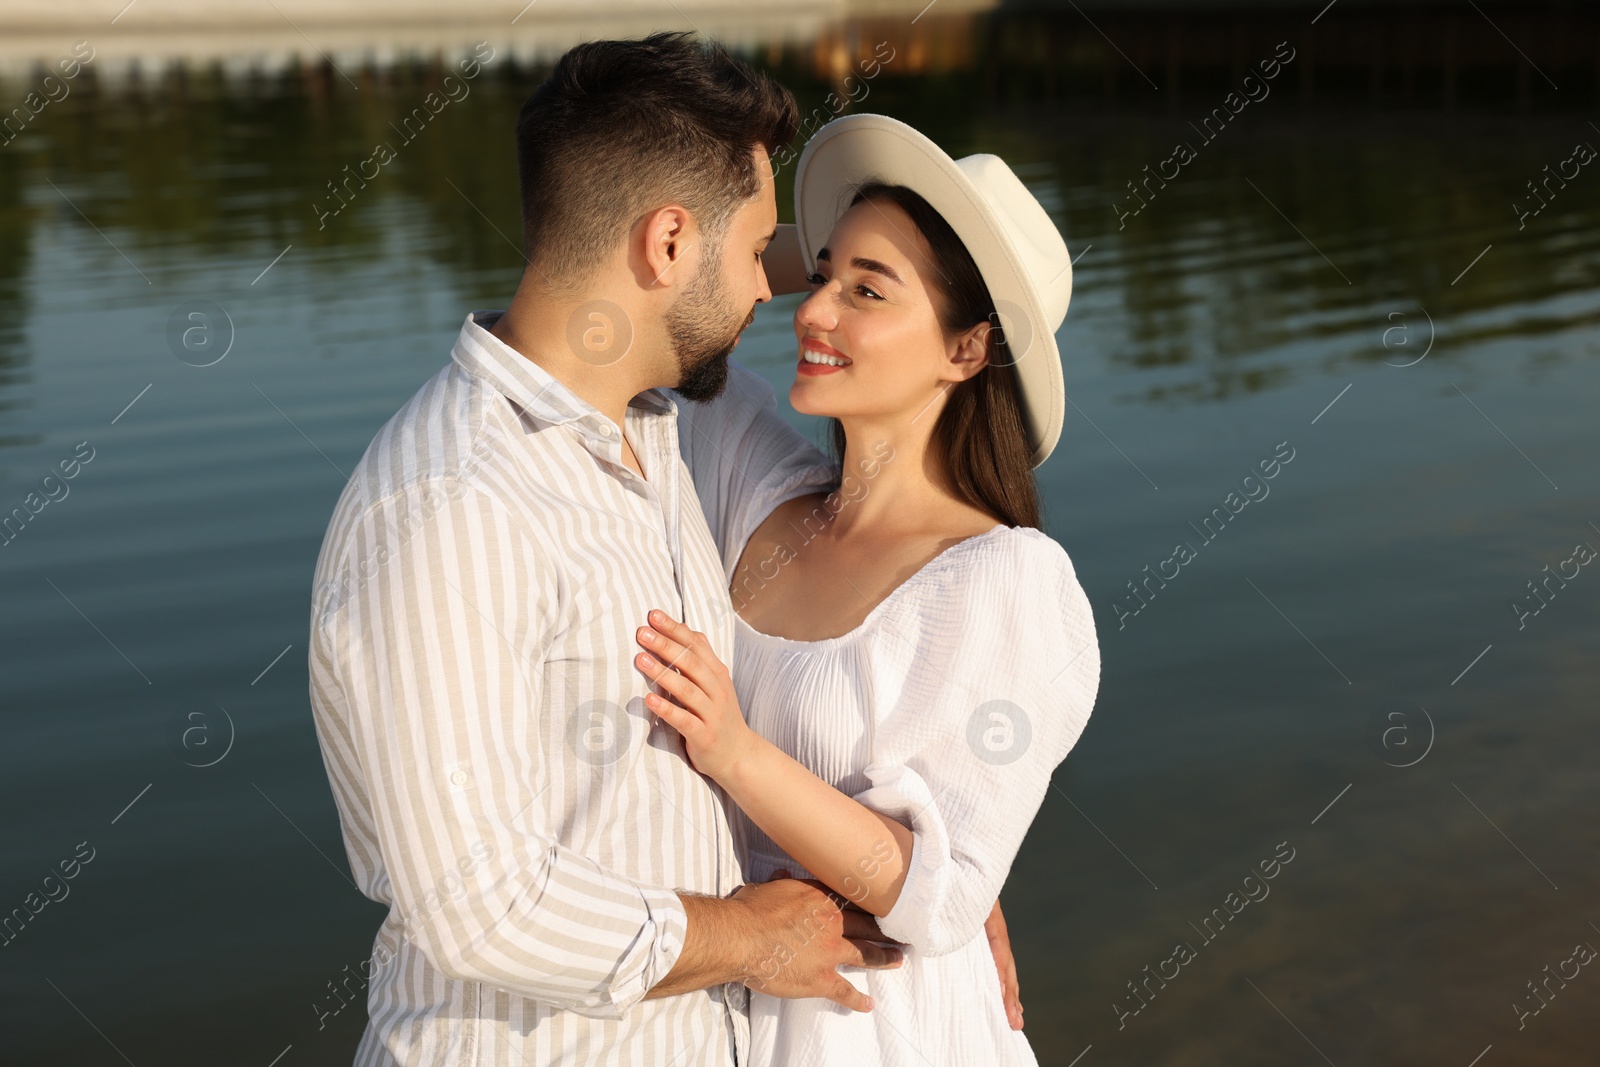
x=1000, y=944
x=703, y=707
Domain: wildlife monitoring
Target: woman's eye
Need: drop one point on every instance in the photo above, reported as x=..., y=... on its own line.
x=815, y=278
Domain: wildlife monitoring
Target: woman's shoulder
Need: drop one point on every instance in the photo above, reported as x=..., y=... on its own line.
x=991, y=583
x=1013, y=597
x=1004, y=573
x=995, y=610
x=1008, y=554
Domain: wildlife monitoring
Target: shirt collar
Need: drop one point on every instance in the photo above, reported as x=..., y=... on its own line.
x=545, y=398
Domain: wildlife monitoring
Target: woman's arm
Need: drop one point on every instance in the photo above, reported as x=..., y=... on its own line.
x=980, y=719
x=850, y=848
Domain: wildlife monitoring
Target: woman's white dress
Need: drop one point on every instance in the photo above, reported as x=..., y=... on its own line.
x=948, y=708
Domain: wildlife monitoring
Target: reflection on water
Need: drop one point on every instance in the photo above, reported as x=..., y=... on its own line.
x=1339, y=269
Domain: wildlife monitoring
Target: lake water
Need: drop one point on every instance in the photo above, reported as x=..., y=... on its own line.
x=1339, y=676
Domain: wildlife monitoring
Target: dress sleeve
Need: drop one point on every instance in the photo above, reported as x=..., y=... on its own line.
x=744, y=458
x=1001, y=666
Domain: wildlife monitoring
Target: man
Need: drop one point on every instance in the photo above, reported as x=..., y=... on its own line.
x=563, y=887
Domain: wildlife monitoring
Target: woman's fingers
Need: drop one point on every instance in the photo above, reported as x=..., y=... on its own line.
x=681, y=688
x=671, y=627
x=1012, y=996
x=678, y=718
x=686, y=649
x=667, y=650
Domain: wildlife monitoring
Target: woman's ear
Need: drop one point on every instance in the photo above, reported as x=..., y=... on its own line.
x=969, y=351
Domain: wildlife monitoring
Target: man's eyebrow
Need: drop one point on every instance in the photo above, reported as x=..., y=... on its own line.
x=771, y=237
x=824, y=256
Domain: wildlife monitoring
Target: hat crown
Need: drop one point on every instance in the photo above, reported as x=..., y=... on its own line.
x=1028, y=228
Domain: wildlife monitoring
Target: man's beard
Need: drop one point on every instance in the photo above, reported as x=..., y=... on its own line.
x=701, y=337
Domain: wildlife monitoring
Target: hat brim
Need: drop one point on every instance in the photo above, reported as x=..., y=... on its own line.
x=858, y=148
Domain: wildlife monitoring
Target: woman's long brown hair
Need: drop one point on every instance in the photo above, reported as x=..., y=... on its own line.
x=979, y=438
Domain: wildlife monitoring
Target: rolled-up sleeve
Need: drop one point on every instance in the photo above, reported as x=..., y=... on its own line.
x=1004, y=668
x=439, y=650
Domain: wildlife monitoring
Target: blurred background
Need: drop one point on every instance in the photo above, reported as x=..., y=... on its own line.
x=1363, y=235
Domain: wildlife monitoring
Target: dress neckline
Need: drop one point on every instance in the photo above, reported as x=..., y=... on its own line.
x=879, y=608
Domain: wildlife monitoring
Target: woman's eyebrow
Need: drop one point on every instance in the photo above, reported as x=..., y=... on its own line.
x=862, y=262
x=877, y=268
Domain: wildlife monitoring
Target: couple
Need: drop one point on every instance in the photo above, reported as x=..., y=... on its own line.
x=666, y=739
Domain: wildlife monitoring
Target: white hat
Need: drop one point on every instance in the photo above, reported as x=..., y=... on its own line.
x=1017, y=249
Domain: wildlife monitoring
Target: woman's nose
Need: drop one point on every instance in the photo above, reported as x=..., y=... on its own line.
x=819, y=310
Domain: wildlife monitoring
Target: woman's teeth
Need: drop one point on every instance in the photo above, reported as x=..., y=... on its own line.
x=817, y=357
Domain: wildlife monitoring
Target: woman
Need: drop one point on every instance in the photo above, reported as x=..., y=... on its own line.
x=914, y=656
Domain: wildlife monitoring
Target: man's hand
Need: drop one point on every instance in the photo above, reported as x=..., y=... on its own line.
x=1004, y=962
x=804, y=934
x=787, y=938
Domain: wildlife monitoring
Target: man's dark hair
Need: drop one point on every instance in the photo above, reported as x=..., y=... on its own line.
x=623, y=127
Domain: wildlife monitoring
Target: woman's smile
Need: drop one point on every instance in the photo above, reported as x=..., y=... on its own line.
x=819, y=358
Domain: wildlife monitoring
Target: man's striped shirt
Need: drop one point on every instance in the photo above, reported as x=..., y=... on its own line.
x=500, y=783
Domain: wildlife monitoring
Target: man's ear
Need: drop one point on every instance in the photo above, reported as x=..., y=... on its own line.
x=969, y=351
x=669, y=234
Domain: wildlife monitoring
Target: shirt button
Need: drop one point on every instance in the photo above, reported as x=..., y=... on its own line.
x=459, y=778
x=605, y=429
